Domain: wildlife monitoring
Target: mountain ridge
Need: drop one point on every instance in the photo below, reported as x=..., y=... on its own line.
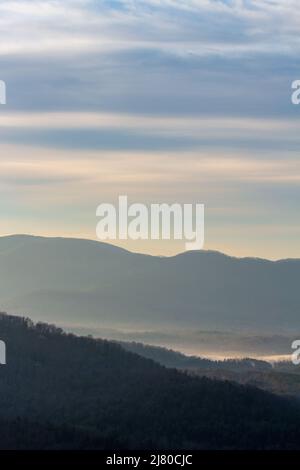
x=86, y=281
x=31, y=237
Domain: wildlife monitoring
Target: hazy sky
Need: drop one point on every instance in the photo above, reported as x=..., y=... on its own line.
x=163, y=100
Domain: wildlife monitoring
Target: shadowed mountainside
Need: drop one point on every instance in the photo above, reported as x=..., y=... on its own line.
x=62, y=391
x=281, y=377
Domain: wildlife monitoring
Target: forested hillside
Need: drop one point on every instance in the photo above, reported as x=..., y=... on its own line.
x=280, y=377
x=62, y=391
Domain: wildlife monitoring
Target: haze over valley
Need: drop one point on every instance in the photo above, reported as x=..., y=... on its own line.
x=203, y=303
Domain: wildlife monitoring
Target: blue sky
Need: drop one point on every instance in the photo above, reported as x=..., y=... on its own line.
x=163, y=100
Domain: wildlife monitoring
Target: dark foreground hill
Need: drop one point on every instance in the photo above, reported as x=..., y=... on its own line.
x=62, y=391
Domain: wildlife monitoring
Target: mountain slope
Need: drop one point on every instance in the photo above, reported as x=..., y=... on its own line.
x=91, y=283
x=281, y=378
x=177, y=360
x=84, y=393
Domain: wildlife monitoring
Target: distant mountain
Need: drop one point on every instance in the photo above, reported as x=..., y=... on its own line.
x=62, y=391
x=88, y=283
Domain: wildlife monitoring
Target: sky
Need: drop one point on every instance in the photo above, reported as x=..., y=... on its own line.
x=185, y=101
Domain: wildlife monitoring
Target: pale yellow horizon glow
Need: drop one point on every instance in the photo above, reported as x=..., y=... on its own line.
x=55, y=192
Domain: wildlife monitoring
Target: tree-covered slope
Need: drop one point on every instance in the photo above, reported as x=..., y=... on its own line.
x=63, y=391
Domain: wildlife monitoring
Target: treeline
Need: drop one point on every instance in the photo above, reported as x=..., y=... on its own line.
x=170, y=358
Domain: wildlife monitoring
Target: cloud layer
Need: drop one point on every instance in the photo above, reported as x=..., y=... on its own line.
x=170, y=100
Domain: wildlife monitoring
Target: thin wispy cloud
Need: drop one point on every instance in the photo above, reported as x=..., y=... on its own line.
x=158, y=99
x=171, y=26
